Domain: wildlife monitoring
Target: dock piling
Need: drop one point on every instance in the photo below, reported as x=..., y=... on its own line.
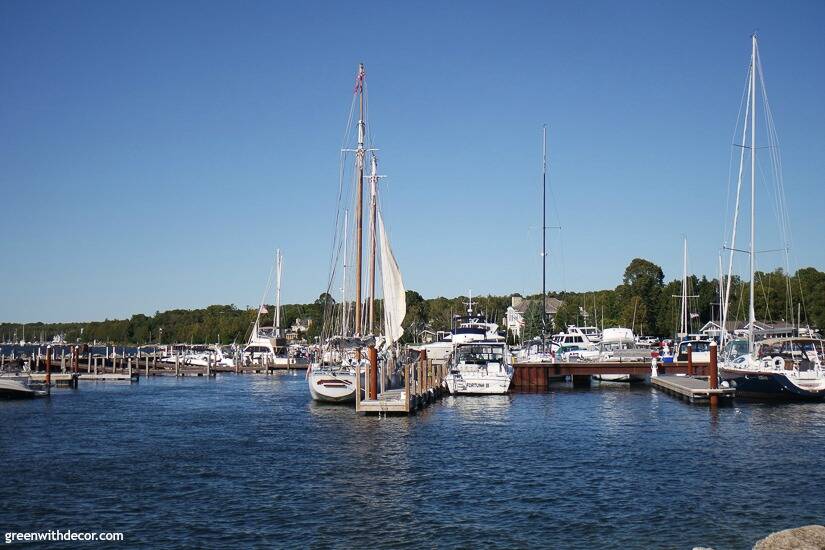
x=713, y=374
x=690, y=360
x=372, y=354
x=48, y=366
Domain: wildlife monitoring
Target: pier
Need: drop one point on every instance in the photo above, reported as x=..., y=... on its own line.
x=423, y=385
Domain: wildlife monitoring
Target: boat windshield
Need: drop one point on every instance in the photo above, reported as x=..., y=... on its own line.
x=479, y=353
x=735, y=348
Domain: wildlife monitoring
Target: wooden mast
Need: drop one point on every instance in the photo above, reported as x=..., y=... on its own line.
x=373, y=200
x=359, y=213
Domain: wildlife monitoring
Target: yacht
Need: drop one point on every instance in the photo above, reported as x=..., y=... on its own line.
x=619, y=345
x=472, y=327
x=572, y=336
x=480, y=368
x=779, y=368
x=19, y=384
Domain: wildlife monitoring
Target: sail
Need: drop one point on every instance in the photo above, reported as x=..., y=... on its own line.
x=395, y=300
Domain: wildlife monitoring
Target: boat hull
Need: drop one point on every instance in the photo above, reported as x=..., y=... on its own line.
x=774, y=386
x=625, y=378
x=331, y=387
x=11, y=388
x=477, y=385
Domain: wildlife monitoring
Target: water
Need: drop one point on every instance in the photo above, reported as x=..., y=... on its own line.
x=242, y=461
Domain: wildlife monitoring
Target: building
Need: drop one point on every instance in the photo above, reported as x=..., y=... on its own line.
x=298, y=330
x=514, y=321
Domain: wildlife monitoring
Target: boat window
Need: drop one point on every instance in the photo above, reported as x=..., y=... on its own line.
x=479, y=353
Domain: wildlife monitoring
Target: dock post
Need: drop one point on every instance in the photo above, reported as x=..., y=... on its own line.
x=690, y=359
x=129, y=363
x=177, y=364
x=48, y=366
x=654, y=371
x=407, y=372
x=95, y=365
x=357, y=386
x=63, y=360
x=209, y=366
x=89, y=362
x=372, y=354
x=713, y=374
x=147, y=366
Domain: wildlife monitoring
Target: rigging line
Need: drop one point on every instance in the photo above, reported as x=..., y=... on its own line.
x=765, y=295
x=738, y=194
x=731, y=156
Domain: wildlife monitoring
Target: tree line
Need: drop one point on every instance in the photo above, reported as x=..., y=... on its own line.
x=643, y=301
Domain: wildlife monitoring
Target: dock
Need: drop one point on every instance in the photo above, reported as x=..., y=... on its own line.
x=692, y=388
x=423, y=385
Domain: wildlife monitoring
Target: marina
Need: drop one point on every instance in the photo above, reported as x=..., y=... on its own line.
x=396, y=275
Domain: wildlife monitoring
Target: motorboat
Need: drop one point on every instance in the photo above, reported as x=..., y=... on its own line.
x=480, y=367
x=619, y=345
x=20, y=384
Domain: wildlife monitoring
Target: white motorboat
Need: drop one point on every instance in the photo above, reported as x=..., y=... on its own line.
x=480, y=368
x=265, y=345
x=472, y=327
x=19, y=384
x=619, y=345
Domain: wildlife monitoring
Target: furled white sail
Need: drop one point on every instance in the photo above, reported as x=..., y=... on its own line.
x=395, y=300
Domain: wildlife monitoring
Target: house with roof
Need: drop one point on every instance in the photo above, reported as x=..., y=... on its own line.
x=514, y=320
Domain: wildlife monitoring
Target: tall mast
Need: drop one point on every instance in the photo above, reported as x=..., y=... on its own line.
x=373, y=200
x=751, y=312
x=684, y=290
x=543, y=234
x=344, y=313
x=279, y=262
x=359, y=208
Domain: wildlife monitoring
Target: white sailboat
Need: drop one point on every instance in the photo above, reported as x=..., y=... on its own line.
x=787, y=368
x=265, y=344
x=331, y=377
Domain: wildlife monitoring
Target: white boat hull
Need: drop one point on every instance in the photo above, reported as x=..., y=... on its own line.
x=468, y=384
x=331, y=387
x=18, y=386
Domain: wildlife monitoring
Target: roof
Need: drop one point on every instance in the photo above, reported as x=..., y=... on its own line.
x=551, y=305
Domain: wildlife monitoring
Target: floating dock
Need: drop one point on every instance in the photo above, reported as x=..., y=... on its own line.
x=423, y=385
x=691, y=388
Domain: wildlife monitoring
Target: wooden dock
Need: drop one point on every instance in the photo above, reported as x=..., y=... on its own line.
x=423, y=385
x=538, y=376
x=692, y=388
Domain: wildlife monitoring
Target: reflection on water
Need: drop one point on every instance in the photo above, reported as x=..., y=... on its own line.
x=251, y=460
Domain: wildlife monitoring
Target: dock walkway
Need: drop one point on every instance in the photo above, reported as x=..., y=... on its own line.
x=692, y=388
x=423, y=385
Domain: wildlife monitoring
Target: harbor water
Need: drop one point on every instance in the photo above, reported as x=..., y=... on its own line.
x=240, y=461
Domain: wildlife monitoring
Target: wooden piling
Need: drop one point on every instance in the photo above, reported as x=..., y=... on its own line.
x=372, y=354
x=407, y=374
x=48, y=366
x=713, y=374
x=690, y=359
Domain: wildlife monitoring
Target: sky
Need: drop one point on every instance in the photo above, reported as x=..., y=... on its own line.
x=153, y=155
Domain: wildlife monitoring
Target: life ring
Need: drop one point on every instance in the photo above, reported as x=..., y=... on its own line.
x=779, y=363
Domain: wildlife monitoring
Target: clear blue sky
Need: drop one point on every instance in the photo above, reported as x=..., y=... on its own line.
x=154, y=154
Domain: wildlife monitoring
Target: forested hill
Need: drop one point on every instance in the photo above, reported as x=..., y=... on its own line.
x=643, y=301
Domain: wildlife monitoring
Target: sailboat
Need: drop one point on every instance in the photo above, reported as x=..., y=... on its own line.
x=538, y=351
x=266, y=344
x=785, y=368
x=331, y=377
